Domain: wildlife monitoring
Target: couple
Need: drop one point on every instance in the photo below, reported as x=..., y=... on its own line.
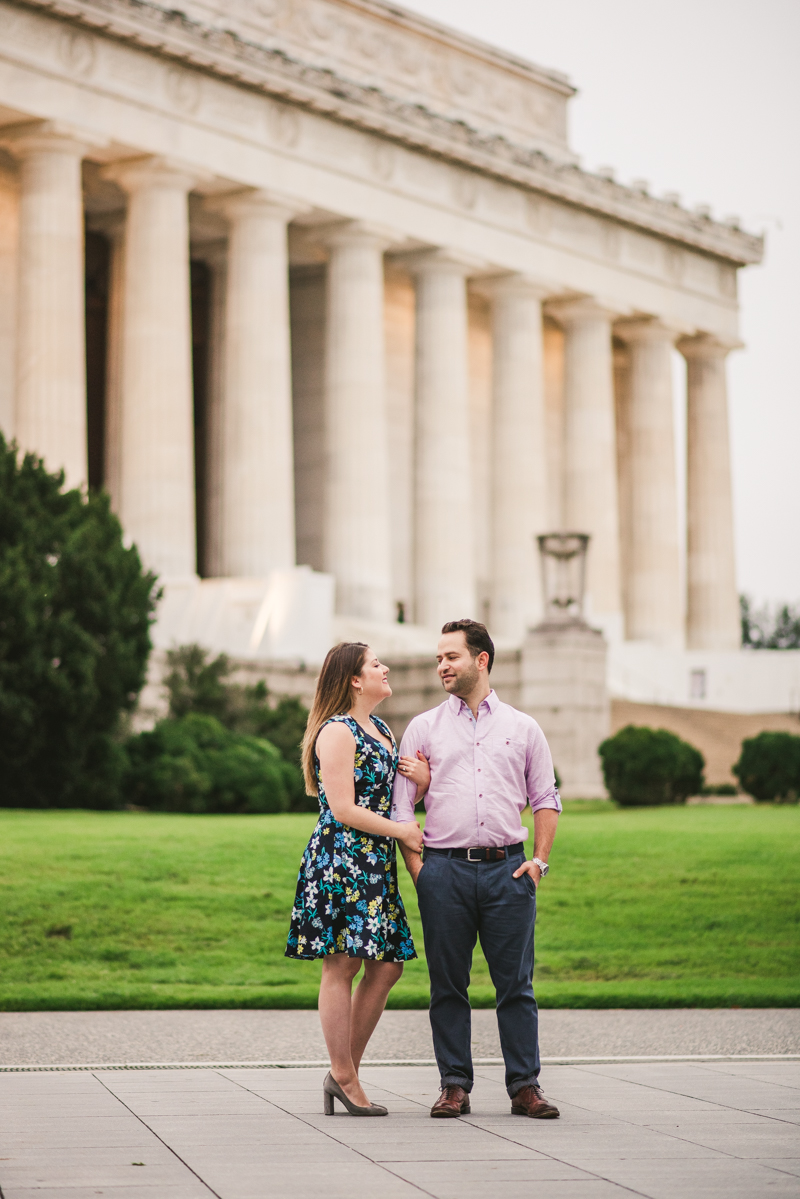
x=478, y=762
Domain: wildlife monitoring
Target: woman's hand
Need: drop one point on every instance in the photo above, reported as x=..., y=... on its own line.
x=410, y=834
x=417, y=771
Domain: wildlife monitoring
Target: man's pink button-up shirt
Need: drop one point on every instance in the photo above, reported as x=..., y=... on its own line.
x=483, y=773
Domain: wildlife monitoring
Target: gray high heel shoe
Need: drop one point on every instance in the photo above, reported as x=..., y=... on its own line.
x=331, y=1089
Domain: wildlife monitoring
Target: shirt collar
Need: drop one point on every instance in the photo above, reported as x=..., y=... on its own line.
x=457, y=704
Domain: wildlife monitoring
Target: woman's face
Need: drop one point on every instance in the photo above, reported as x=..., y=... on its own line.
x=373, y=681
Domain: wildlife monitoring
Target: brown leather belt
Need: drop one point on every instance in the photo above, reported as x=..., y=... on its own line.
x=478, y=853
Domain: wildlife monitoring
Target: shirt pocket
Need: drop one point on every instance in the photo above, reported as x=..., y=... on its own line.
x=509, y=754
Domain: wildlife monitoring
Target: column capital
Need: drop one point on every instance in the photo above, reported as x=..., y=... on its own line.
x=153, y=170
x=255, y=201
x=513, y=284
x=645, y=328
x=708, y=346
x=439, y=260
x=31, y=136
x=573, y=310
x=356, y=233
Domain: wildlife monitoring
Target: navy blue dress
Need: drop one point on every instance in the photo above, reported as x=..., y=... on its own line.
x=347, y=898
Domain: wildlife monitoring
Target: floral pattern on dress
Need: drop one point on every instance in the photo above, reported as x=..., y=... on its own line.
x=347, y=898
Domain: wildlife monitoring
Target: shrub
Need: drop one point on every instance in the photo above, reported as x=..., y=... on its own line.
x=195, y=764
x=197, y=684
x=75, y=611
x=769, y=767
x=643, y=766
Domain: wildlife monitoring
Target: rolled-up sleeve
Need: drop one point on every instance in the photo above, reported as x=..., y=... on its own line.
x=540, y=777
x=404, y=792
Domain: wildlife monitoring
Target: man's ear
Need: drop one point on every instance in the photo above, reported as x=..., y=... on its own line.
x=482, y=660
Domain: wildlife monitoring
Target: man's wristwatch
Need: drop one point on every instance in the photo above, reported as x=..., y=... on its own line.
x=542, y=865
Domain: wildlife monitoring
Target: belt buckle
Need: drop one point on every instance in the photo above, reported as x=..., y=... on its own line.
x=469, y=853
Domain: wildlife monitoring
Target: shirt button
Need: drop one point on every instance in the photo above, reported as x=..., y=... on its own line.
x=481, y=795
x=479, y=770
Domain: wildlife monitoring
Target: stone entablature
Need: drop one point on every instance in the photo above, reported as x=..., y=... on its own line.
x=423, y=119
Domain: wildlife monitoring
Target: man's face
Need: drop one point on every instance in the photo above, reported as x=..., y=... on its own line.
x=457, y=668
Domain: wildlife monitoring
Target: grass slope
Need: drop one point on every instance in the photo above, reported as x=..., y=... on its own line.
x=647, y=908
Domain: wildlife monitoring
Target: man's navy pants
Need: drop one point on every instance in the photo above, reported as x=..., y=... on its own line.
x=460, y=901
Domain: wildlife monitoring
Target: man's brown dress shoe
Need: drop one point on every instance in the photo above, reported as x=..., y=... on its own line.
x=531, y=1102
x=453, y=1101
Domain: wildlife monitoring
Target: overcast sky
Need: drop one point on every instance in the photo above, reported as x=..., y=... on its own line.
x=700, y=97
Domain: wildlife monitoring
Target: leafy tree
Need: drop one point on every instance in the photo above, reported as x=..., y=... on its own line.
x=643, y=766
x=769, y=767
x=195, y=764
x=75, y=614
x=196, y=685
x=763, y=628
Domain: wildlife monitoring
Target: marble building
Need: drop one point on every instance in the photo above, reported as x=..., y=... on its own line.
x=321, y=284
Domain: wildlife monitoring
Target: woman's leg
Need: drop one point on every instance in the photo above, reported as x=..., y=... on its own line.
x=335, y=1008
x=368, y=1002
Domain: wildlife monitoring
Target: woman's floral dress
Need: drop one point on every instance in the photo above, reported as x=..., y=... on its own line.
x=347, y=897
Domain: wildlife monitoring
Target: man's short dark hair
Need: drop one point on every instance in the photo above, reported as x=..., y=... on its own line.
x=477, y=637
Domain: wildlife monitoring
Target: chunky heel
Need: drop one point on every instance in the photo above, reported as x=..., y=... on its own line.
x=327, y=1103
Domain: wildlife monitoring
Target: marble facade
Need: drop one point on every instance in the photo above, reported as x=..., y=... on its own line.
x=360, y=310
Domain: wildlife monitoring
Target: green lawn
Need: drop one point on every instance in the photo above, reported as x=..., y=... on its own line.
x=695, y=906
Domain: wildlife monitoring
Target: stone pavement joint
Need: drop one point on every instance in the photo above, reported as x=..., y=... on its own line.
x=723, y=1129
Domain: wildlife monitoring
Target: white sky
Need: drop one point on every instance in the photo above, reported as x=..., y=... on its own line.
x=700, y=97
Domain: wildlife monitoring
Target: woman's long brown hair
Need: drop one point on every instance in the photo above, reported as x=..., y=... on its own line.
x=334, y=695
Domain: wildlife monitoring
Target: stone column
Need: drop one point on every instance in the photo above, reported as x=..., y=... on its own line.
x=50, y=416
x=356, y=521
x=9, y=229
x=590, y=466
x=256, y=483
x=157, y=454
x=443, y=524
x=712, y=618
x=519, y=458
x=653, y=609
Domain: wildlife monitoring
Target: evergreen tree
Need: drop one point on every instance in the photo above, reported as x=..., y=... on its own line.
x=75, y=614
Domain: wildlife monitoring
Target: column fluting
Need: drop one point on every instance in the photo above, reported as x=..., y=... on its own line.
x=519, y=457
x=653, y=609
x=50, y=406
x=712, y=605
x=445, y=585
x=256, y=482
x=356, y=545
x=590, y=464
x=157, y=504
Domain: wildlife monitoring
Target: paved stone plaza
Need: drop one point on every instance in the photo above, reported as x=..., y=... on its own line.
x=722, y=1127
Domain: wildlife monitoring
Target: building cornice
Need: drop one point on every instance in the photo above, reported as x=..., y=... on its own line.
x=225, y=54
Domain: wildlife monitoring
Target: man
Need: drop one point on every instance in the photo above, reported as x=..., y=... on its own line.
x=487, y=761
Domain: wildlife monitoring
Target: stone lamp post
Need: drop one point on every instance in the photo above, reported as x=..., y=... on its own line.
x=563, y=677
x=563, y=559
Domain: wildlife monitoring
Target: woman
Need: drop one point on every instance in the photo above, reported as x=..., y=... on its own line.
x=348, y=908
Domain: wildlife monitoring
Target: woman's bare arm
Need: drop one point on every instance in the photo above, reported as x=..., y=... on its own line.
x=336, y=750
